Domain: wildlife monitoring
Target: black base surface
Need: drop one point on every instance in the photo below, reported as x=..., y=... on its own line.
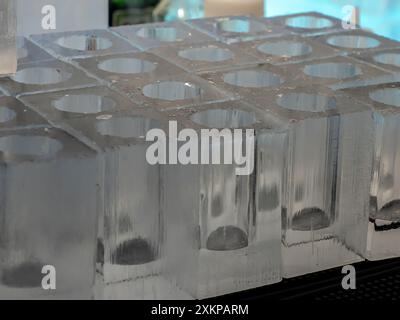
x=375, y=281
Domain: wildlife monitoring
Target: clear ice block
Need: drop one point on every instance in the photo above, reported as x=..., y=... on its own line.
x=160, y=34
x=206, y=56
x=236, y=29
x=130, y=263
x=223, y=230
x=48, y=214
x=8, y=30
x=83, y=43
x=324, y=214
x=384, y=226
x=44, y=76
x=151, y=81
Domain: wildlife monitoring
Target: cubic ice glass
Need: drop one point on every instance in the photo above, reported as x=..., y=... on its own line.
x=323, y=225
x=223, y=230
x=49, y=214
x=130, y=262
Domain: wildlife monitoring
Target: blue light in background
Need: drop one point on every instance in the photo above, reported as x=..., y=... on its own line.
x=380, y=16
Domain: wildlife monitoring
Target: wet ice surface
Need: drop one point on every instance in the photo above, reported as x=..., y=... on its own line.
x=142, y=231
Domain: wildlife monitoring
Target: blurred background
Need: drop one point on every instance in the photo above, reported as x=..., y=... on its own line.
x=380, y=16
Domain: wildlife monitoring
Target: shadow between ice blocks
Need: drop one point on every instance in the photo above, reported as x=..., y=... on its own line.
x=384, y=211
x=327, y=171
x=223, y=229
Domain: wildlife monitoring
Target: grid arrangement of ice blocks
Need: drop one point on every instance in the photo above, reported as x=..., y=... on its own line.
x=8, y=30
x=79, y=193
